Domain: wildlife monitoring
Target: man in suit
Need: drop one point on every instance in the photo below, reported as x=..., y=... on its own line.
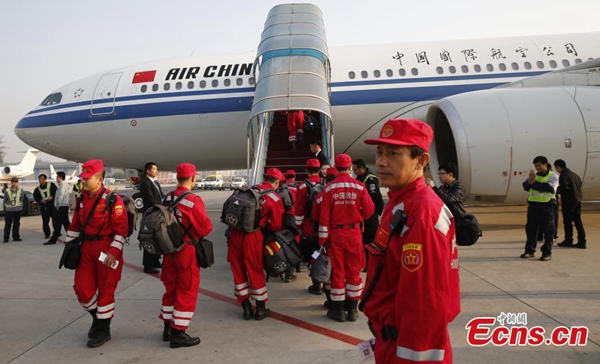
x=152, y=194
x=315, y=148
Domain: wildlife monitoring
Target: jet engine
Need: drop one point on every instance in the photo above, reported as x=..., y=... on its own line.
x=494, y=135
x=6, y=170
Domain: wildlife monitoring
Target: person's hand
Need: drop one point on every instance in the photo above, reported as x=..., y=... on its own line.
x=110, y=260
x=430, y=182
x=531, y=177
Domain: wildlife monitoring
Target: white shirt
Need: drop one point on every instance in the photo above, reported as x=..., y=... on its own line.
x=62, y=195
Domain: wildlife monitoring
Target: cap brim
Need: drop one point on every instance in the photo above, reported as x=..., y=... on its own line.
x=386, y=141
x=86, y=175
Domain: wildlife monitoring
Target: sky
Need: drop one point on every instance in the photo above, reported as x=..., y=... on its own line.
x=46, y=44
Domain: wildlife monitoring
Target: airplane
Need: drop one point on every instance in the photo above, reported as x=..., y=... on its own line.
x=23, y=169
x=494, y=105
x=71, y=179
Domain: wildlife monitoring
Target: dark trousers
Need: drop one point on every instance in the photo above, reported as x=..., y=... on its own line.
x=370, y=228
x=47, y=215
x=61, y=219
x=571, y=213
x=12, y=219
x=540, y=216
x=150, y=261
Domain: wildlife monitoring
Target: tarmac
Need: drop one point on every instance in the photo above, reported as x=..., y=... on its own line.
x=42, y=322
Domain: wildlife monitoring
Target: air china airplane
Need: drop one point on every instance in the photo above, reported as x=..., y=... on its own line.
x=494, y=104
x=23, y=169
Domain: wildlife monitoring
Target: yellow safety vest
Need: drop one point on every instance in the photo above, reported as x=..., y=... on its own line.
x=538, y=196
x=15, y=200
x=45, y=193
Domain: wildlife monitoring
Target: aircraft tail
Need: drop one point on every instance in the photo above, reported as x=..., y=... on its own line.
x=52, y=172
x=28, y=161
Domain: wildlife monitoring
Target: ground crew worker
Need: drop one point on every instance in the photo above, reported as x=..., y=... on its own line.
x=570, y=197
x=96, y=281
x=295, y=124
x=180, y=272
x=61, y=208
x=245, y=251
x=540, y=210
x=345, y=206
x=304, y=219
x=77, y=188
x=14, y=198
x=418, y=292
x=364, y=174
x=44, y=195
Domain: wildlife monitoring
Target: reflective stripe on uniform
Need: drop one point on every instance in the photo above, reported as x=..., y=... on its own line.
x=444, y=220
x=90, y=305
x=344, y=185
x=166, y=312
x=105, y=312
x=426, y=355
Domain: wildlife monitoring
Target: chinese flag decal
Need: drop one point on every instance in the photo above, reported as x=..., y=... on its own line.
x=144, y=76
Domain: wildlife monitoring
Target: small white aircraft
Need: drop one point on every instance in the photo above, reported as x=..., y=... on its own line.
x=25, y=168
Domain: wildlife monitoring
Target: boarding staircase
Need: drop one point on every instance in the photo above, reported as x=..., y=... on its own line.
x=292, y=72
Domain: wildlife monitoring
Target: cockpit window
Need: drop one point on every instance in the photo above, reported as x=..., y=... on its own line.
x=52, y=99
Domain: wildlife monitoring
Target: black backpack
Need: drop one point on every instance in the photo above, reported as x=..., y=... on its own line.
x=313, y=191
x=311, y=125
x=129, y=208
x=281, y=252
x=468, y=230
x=242, y=210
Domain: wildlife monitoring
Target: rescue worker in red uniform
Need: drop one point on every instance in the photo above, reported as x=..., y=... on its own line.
x=346, y=204
x=95, y=280
x=180, y=272
x=295, y=124
x=245, y=252
x=418, y=293
x=305, y=221
x=288, y=221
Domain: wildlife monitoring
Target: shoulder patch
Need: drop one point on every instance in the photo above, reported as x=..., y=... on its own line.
x=119, y=209
x=412, y=256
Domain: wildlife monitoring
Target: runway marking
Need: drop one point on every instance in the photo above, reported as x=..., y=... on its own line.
x=277, y=316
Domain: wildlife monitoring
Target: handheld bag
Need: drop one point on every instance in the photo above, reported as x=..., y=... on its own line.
x=204, y=253
x=468, y=230
x=320, y=268
x=71, y=254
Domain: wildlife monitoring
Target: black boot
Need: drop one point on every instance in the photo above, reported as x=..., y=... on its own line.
x=94, y=328
x=180, y=339
x=102, y=334
x=294, y=149
x=247, y=307
x=315, y=288
x=352, y=309
x=167, y=331
x=337, y=311
x=327, y=304
x=261, y=311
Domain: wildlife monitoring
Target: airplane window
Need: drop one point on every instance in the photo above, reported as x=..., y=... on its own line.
x=376, y=73
x=540, y=65
x=502, y=67
x=227, y=82
x=566, y=63
x=452, y=69
x=351, y=75
x=215, y=83
x=439, y=70
x=515, y=66
x=202, y=84
x=47, y=100
x=191, y=85
x=414, y=71
x=364, y=74
x=178, y=86
x=251, y=80
x=527, y=65
x=490, y=67
x=56, y=98
x=155, y=87
x=402, y=72
x=577, y=60
x=552, y=63
x=144, y=88
x=389, y=73
x=239, y=81
x=167, y=86
x=477, y=68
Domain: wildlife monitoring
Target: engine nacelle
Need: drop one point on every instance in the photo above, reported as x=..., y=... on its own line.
x=6, y=170
x=494, y=135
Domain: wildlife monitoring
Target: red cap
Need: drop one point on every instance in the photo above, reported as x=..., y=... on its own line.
x=406, y=132
x=313, y=163
x=331, y=171
x=343, y=161
x=91, y=168
x=290, y=172
x=275, y=172
x=185, y=170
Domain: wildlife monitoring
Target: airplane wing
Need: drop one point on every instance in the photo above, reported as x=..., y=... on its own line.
x=581, y=74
